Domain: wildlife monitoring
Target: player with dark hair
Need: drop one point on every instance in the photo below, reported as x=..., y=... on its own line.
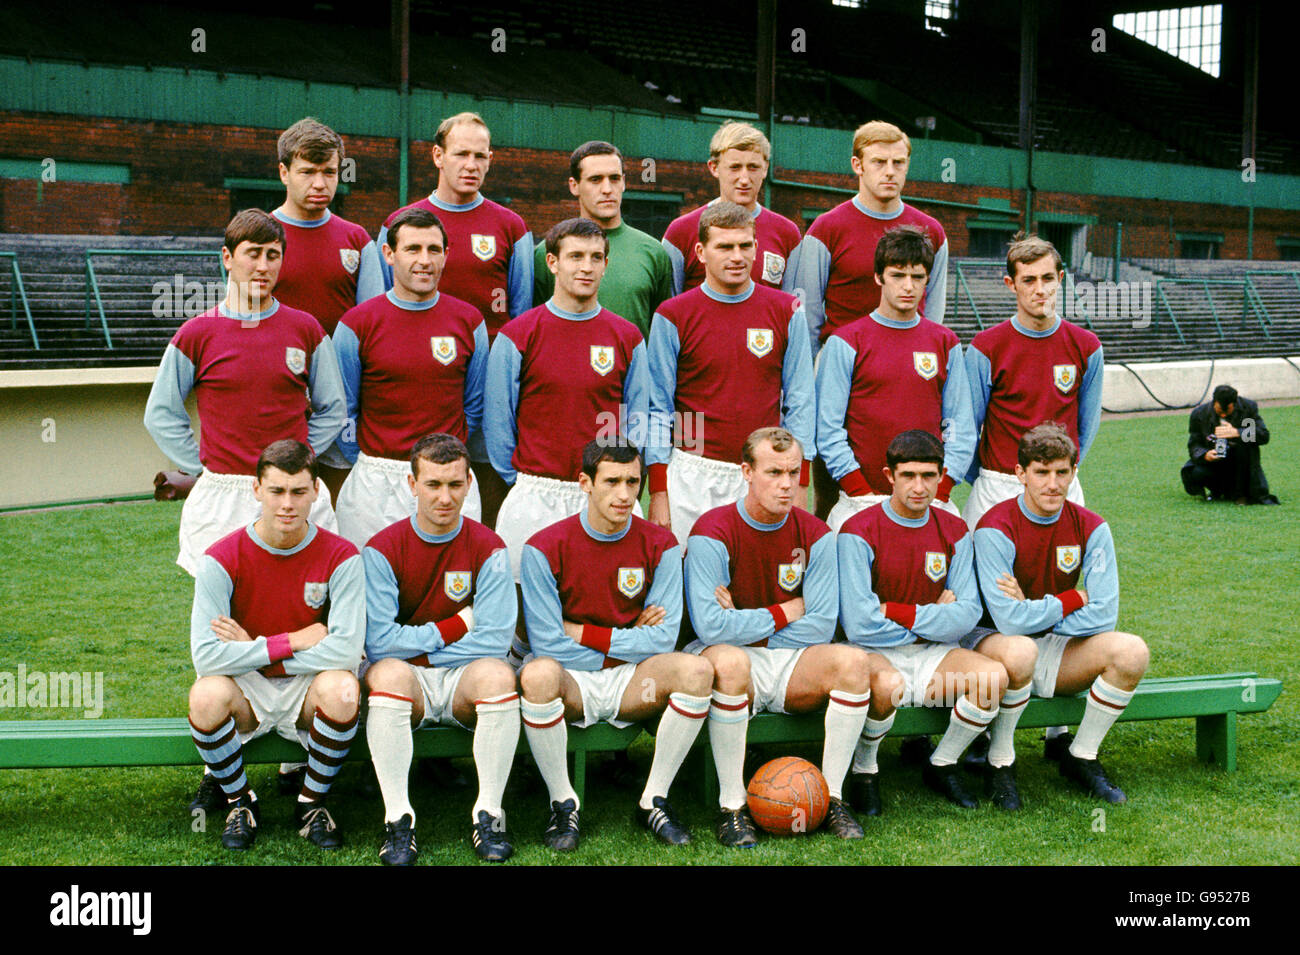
x=908, y=594
x=725, y=358
x=276, y=635
x=1224, y=436
x=603, y=603
x=762, y=590
x=887, y=371
x=1047, y=569
x=414, y=362
x=440, y=616
x=638, y=275
x=738, y=158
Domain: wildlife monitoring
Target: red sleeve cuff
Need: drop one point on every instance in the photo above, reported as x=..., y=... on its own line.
x=946, y=484
x=278, y=648
x=1071, y=601
x=855, y=484
x=902, y=614
x=779, y=618
x=805, y=473
x=596, y=638
x=658, y=478
x=452, y=629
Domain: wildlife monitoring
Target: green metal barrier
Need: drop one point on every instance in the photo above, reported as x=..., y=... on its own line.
x=964, y=287
x=92, y=282
x=16, y=294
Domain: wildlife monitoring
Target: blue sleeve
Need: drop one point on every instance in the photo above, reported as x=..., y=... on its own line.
x=834, y=379
x=995, y=555
x=544, y=616
x=948, y=623
x=521, y=276
x=165, y=416
x=328, y=404
x=677, y=261
x=799, y=395
x=495, y=609
x=811, y=273
x=864, y=620
x=661, y=361
x=1090, y=404
x=213, y=656
x=370, y=276
x=634, y=644
x=476, y=387
x=958, y=419
x=385, y=637
x=347, y=349
x=706, y=568
x=636, y=398
x=343, y=645
x=979, y=376
x=500, y=402
x=936, y=289
x=385, y=270
x=1100, y=578
x=821, y=599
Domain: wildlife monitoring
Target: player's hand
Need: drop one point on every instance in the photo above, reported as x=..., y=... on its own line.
x=947, y=597
x=1226, y=430
x=723, y=596
x=1210, y=455
x=659, y=511
x=227, y=629
x=650, y=616
x=467, y=615
x=793, y=609
x=307, y=637
x=1084, y=594
x=1010, y=587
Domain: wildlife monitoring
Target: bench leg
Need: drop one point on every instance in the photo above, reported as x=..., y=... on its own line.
x=1216, y=740
x=580, y=775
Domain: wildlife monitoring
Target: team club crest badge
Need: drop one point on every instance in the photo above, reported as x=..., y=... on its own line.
x=630, y=581
x=444, y=349
x=926, y=364
x=484, y=246
x=456, y=584
x=759, y=341
x=1064, y=376
x=773, y=267
x=1067, y=558
x=351, y=260
x=314, y=593
x=296, y=359
x=602, y=359
x=789, y=576
x=936, y=565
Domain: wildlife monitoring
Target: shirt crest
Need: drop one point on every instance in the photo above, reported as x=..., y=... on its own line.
x=444, y=349
x=296, y=359
x=351, y=260
x=926, y=364
x=773, y=268
x=314, y=593
x=483, y=246
x=456, y=584
x=936, y=565
x=1067, y=558
x=789, y=576
x=1064, y=376
x=759, y=341
x=602, y=359
x=630, y=581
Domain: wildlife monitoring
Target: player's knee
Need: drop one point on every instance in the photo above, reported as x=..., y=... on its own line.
x=695, y=675
x=539, y=680
x=1131, y=656
x=210, y=699
x=387, y=676
x=730, y=669
x=886, y=690
x=494, y=677
x=852, y=670
x=337, y=693
x=1019, y=659
x=989, y=686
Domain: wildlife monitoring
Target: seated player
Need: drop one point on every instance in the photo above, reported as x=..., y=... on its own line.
x=908, y=594
x=603, y=602
x=440, y=616
x=762, y=591
x=1047, y=569
x=276, y=634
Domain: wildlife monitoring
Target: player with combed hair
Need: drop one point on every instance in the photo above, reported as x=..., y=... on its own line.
x=440, y=615
x=738, y=158
x=276, y=634
x=725, y=358
x=1047, y=569
x=602, y=593
x=908, y=595
x=762, y=589
x=890, y=371
x=414, y=362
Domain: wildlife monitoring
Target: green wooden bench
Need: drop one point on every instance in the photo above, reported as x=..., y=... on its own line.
x=1213, y=701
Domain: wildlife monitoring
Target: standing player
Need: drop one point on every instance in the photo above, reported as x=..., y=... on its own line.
x=262, y=371
x=889, y=371
x=440, y=615
x=276, y=633
x=738, y=159
x=1047, y=569
x=725, y=358
x=763, y=594
x=603, y=603
x=1032, y=368
x=908, y=594
x=489, y=251
x=414, y=361
x=638, y=275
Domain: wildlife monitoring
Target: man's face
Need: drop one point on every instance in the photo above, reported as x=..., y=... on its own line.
x=254, y=267
x=882, y=170
x=901, y=287
x=1036, y=284
x=773, y=477
x=311, y=185
x=614, y=491
x=463, y=162
x=740, y=174
x=579, y=266
x=439, y=491
x=1223, y=412
x=1046, y=484
x=417, y=260
x=286, y=499
x=915, y=483
x=728, y=256
x=600, y=189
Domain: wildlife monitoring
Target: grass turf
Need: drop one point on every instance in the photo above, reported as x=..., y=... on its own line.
x=1212, y=588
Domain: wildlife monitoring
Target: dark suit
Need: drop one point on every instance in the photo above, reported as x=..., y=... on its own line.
x=1239, y=475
